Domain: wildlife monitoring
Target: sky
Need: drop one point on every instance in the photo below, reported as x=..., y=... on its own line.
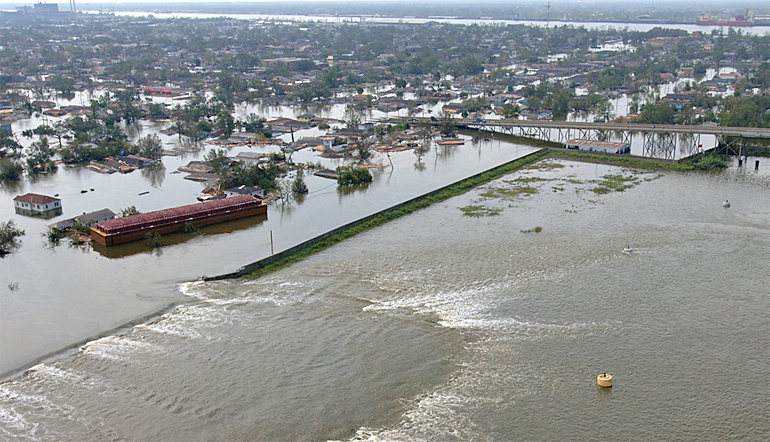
x=62, y=3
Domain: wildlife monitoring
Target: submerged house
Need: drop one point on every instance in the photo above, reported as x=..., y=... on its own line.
x=245, y=190
x=35, y=204
x=85, y=218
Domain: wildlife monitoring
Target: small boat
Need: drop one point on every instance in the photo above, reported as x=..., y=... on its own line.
x=628, y=250
x=726, y=204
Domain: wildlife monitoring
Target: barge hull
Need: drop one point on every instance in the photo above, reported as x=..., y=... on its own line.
x=106, y=238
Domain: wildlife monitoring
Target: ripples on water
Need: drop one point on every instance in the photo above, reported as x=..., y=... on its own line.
x=444, y=327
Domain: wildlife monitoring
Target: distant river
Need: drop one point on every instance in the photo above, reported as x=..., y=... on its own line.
x=446, y=327
x=755, y=30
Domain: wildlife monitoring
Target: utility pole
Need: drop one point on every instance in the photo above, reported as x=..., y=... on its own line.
x=547, y=14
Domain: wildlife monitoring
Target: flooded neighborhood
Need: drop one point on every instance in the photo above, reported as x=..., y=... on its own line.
x=145, y=154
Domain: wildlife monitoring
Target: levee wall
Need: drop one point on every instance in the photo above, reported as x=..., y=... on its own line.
x=248, y=268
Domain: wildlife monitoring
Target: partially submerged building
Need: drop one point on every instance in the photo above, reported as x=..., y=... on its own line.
x=35, y=204
x=85, y=218
x=135, y=227
x=245, y=190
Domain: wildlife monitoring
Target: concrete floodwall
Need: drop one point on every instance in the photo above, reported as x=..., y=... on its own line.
x=248, y=268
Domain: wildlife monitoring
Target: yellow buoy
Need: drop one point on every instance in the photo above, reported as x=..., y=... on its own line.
x=604, y=380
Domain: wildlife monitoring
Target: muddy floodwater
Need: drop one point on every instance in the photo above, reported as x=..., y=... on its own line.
x=55, y=296
x=485, y=317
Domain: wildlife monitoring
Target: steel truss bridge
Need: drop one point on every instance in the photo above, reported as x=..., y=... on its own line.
x=658, y=140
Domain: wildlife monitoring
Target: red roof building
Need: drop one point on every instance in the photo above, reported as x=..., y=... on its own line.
x=134, y=227
x=37, y=204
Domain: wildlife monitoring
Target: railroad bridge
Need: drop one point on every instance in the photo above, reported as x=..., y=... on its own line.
x=658, y=140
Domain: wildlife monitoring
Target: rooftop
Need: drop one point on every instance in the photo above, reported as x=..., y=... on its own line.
x=35, y=198
x=190, y=211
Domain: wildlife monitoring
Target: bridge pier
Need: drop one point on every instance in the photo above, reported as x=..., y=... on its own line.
x=732, y=145
x=659, y=143
x=690, y=144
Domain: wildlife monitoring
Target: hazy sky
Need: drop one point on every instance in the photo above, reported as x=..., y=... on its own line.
x=64, y=4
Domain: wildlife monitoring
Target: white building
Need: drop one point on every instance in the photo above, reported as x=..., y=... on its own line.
x=35, y=203
x=245, y=190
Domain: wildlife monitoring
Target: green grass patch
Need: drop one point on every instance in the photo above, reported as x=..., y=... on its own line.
x=509, y=192
x=547, y=165
x=479, y=211
x=707, y=162
x=615, y=183
x=527, y=179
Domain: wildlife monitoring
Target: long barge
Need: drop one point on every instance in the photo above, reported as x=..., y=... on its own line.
x=136, y=227
x=737, y=23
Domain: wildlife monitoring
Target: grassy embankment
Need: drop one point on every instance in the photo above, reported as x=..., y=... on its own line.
x=449, y=192
x=552, y=151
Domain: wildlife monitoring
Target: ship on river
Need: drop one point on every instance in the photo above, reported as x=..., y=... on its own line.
x=737, y=21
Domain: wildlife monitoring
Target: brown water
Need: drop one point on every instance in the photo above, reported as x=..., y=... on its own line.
x=441, y=326
x=67, y=295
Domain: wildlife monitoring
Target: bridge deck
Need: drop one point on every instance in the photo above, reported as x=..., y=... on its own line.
x=745, y=132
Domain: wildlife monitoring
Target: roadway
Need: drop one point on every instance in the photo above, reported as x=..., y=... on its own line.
x=745, y=132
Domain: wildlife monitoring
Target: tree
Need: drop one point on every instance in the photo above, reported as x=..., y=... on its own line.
x=658, y=114
x=298, y=186
x=511, y=110
x=287, y=151
x=8, y=145
x=150, y=147
x=125, y=99
x=361, y=151
x=349, y=175
x=446, y=127
x=225, y=123
x=251, y=175
x=9, y=237
x=128, y=211
x=39, y=155
x=10, y=170
x=60, y=130
x=156, y=110
x=252, y=123
x=604, y=111
x=217, y=159
x=352, y=117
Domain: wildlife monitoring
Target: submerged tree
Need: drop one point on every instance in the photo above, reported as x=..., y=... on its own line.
x=8, y=145
x=150, y=147
x=39, y=156
x=349, y=175
x=361, y=151
x=9, y=237
x=128, y=211
x=10, y=170
x=298, y=186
